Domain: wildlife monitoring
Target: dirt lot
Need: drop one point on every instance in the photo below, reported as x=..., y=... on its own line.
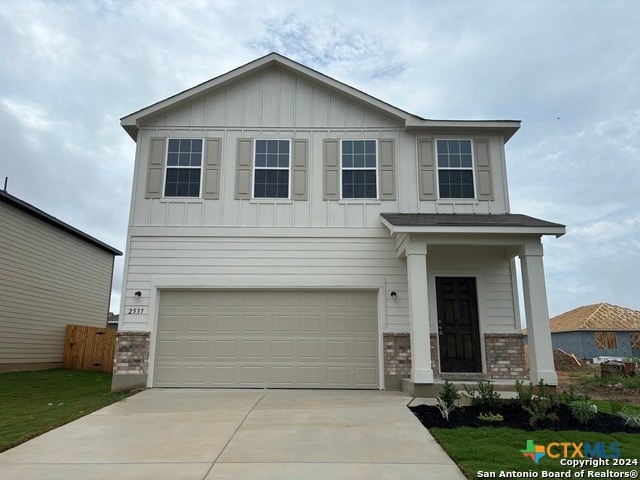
x=586, y=379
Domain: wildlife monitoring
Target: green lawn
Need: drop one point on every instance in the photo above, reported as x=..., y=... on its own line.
x=492, y=449
x=32, y=403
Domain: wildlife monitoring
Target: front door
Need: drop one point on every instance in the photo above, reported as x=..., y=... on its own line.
x=458, y=331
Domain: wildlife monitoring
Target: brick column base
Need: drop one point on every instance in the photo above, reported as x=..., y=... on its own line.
x=131, y=361
x=435, y=354
x=505, y=356
x=397, y=359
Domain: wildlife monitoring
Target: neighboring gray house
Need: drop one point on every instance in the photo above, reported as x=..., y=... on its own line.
x=51, y=275
x=288, y=230
x=599, y=330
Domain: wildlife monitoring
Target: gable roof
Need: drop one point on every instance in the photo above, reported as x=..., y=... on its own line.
x=51, y=220
x=133, y=121
x=599, y=316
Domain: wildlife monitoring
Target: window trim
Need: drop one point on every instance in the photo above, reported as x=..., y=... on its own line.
x=167, y=166
x=472, y=168
x=376, y=168
x=253, y=170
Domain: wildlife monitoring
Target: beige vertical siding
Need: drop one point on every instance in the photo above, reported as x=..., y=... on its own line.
x=48, y=278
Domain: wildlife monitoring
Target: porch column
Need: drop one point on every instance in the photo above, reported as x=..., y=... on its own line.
x=421, y=371
x=537, y=313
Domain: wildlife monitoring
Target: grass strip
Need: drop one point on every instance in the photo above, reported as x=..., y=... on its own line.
x=32, y=403
x=492, y=449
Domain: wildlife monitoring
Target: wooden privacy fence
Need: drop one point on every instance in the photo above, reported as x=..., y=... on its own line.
x=89, y=348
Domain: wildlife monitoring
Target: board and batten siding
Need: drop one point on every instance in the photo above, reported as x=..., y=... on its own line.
x=277, y=99
x=48, y=279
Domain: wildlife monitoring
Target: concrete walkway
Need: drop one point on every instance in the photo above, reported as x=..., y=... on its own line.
x=238, y=434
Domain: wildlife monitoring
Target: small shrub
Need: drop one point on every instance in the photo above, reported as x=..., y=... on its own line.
x=583, y=410
x=445, y=409
x=540, y=406
x=490, y=417
x=540, y=411
x=446, y=400
x=525, y=394
x=483, y=396
x=570, y=396
x=543, y=391
x=449, y=394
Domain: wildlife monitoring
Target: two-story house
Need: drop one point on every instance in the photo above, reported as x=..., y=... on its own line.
x=288, y=230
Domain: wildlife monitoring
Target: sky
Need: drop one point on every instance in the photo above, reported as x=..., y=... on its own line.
x=570, y=71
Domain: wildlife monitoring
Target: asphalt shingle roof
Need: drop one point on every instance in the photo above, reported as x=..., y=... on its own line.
x=465, y=220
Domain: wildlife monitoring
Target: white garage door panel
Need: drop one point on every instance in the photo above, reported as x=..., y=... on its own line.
x=292, y=339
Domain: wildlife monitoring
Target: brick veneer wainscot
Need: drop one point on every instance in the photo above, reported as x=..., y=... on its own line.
x=397, y=354
x=505, y=356
x=132, y=353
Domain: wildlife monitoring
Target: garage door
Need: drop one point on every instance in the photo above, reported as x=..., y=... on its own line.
x=274, y=339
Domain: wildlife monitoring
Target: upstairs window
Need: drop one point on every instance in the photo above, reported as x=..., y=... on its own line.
x=359, y=162
x=184, y=168
x=271, y=169
x=455, y=169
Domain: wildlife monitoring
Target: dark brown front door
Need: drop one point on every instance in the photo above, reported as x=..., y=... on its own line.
x=458, y=330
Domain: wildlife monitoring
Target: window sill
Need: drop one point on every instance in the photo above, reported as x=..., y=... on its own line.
x=181, y=200
x=458, y=201
x=271, y=201
x=359, y=201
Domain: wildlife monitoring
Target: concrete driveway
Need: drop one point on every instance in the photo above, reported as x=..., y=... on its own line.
x=238, y=434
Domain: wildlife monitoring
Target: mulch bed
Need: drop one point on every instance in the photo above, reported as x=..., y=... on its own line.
x=516, y=417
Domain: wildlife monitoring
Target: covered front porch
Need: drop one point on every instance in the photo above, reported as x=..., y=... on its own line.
x=463, y=297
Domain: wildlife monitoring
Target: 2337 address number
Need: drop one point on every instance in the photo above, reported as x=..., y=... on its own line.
x=135, y=311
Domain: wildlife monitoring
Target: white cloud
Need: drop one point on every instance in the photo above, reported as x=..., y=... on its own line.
x=329, y=44
x=29, y=115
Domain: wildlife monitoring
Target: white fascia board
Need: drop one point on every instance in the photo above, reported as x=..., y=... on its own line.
x=145, y=114
x=507, y=127
x=508, y=230
x=390, y=226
